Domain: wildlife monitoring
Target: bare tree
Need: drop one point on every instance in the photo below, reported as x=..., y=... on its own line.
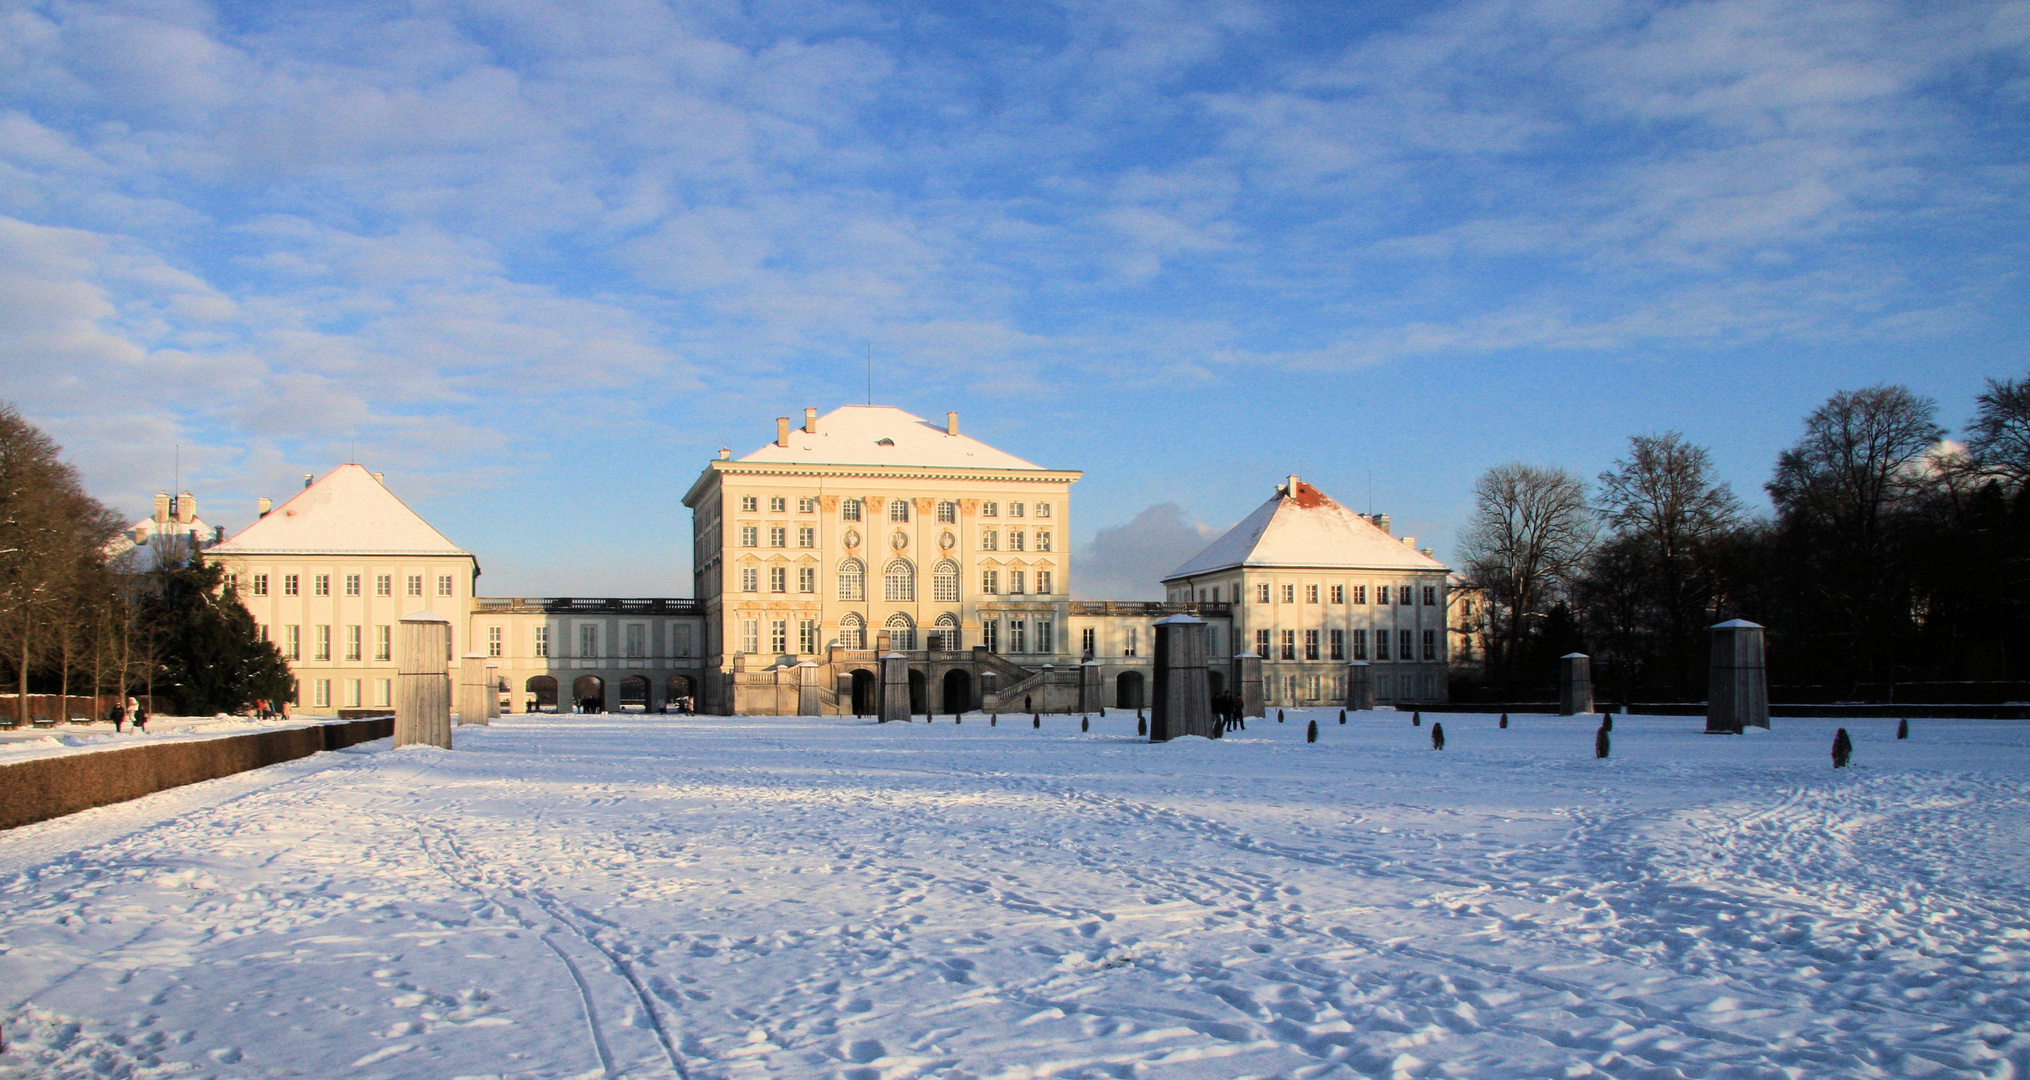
x=1998, y=441
x=1530, y=529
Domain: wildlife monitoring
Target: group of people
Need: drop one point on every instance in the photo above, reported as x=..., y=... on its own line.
x=129, y=709
x=1227, y=708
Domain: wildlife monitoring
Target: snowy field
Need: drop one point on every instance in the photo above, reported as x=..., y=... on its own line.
x=648, y=896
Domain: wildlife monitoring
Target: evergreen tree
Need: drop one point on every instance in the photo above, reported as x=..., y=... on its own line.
x=210, y=655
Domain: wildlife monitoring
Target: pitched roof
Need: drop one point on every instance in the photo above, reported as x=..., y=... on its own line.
x=884, y=435
x=1302, y=526
x=348, y=511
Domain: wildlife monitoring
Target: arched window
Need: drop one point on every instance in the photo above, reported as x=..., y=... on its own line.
x=946, y=582
x=946, y=636
x=852, y=580
x=901, y=633
x=900, y=582
x=852, y=631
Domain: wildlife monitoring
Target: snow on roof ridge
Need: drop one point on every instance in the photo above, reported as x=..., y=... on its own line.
x=348, y=510
x=883, y=435
x=1302, y=526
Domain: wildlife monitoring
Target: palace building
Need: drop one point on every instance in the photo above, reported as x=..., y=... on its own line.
x=856, y=534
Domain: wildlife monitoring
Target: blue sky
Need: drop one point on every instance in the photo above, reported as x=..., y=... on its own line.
x=538, y=261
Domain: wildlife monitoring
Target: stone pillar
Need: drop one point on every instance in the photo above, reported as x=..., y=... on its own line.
x=1182, y=703
x=1248, y=683
x=894, y=687
x=1575, y=684
x=492, y=692
x=807, y=689
x=423, y=684
x=1737, y=693
x=1090, y=687
x=471, y=689
x=1359, y=687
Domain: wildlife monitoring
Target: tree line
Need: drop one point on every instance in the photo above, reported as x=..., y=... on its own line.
x=1891, y=556
x=78, y=618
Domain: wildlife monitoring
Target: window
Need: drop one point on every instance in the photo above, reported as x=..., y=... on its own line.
x=1310, y=644
x=384, y=642
x=260, y=584
x=289, y=584
x=493, y=642
x=588, y=640
x=1289, y=645
x=323, y=644
x=352, y=584
x=990, y=582
x=990, y=540
x=352, y=693
x=750, y=503
x=680, y=640
x=1360, y=594
x=807, y=635
x=750, y=536
x=1213, y=646
x=1088, y=641
x=1131, y=641
x=1018, y=636
x=1338, y=645
x=1043, y=539
x=990, y=636
x=1215, y=594
x=852, y=580
x=323, y=690
x=750, y=636
x=1381, y=595
x=1430, y=596
x=292, y=643
x=1310, y=594
x=324, y=584
x=542, y=642
x=901, y=633
x=947, y=512
x=1045, y=634
x=807, y=536
x=778, y=579
x=1015, y=583
x=1043, y=581
x=1338, y=594
x=384, y=584
x=1015, y=540
x=384, y=692
x=778, y=504
x=1360, y=644
x=852, y=632
x=1014, y=509
x=1381, y=644
x=750, y=579
x=1430, y=644
x=1312, y=686
x=945, y=583
x=1409, y=646
x=899, y=582
x=352, y=642
x=946, y=636
x=1042, y=509
x=898, y=509
x=1262, y=643
x=637, y=640
x=849, y=509
x=778, y=536
x=415, y=584
x=1403, y=595
x=232, y=582
x=1262, y=593
x=988, y=509
x=444, y=585
x=807, y=580
x=1289, y=594
x=778, y=636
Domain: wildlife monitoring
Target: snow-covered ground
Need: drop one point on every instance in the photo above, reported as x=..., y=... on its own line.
x=20, y=744
x=588, y=896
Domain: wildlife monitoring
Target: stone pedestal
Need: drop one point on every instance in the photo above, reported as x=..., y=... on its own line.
x=1575, y=684
x=472, y=689
x=1182, y=701
x=493, y=689
x=1737, y=693
x=1091, y=688
x=1359, y=687
x=807, y=702
x=1247, y=682
x=894, y=687
x=423, y=682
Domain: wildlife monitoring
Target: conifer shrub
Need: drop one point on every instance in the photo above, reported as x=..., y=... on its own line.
x=1903, y=728
x=1843, y=748
x=1601, y=743
x=1607, y=722
x=1036, y=721
x=1437, y=736
x=1279, y=716
x=1417, y=718
x=1311, y=732
x=1342, y=716
x=1082, y=722
x=1141, y=726
x=1504, y=719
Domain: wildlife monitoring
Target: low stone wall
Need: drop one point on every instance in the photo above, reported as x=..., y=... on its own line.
x=44, y=788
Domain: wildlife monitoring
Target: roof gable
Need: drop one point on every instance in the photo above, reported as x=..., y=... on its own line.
x=347, y=511
x=884, y=435
x=1302, y=526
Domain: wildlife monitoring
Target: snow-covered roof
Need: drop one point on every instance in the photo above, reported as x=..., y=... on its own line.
x=884, y=435
x=348, y=511
x=1302, y=526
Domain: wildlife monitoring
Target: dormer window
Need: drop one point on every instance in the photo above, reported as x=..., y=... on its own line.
x=884, y=442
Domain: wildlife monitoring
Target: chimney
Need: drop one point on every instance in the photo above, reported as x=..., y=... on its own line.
x=309, y=478
x=381, y=479
x=951, y=423
x=1410, y=542
x=725, y=453
x=810, y=421
x=1381, y=521
x=161, y=508
x=782, y=431
x=1430, y=553
x=1290, y=489
x=263, y=505
x=186, y=508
